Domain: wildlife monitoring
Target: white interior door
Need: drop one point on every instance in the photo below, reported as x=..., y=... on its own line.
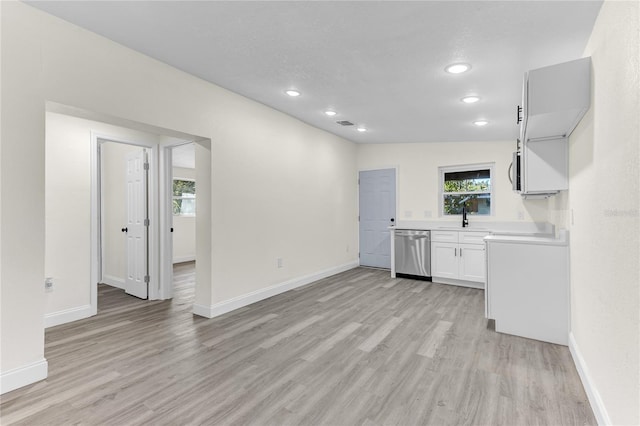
x=137, y=278
x=377, y=212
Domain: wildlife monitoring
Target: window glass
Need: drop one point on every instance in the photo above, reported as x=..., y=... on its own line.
x=184, y=197
x=466, y=187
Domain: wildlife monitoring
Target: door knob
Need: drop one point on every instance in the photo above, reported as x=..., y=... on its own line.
x=125, y=229
x=392, y=220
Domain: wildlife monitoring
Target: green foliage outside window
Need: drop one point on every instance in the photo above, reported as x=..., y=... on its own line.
x=471, y=189
x=184, y=197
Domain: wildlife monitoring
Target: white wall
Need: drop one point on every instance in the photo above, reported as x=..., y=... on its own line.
x=280, y=188
x=67, y=189
x=419, y=179
x=184, y=227
x=604, y=196
x=114, y=210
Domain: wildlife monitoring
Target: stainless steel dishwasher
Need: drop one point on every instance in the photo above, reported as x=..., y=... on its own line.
x=413, y=252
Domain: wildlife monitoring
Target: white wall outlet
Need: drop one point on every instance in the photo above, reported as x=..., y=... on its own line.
x=408, y=213
x=427, y=213
x=279, y=262
x=48, y=284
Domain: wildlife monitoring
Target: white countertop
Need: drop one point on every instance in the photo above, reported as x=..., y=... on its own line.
x=536, y=239
x=536, y=229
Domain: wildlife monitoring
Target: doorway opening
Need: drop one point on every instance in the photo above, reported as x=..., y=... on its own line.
x=125, y=215
x=76, y=144
x=184, y=193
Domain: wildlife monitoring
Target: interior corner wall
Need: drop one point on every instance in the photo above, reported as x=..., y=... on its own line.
x=604, y=198
x=279, y=187
x=68, y=207
x=184, y=227
x=418, y=177
x=22, y=134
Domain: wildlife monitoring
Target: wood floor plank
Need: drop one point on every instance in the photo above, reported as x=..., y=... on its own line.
x=335, y=294
x=294, y=329
x=429, y=347
x=329, y=343
x=356, y=348
x=246, y=327
x=375, y=339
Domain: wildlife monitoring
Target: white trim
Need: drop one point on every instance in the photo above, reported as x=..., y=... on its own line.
x=459, y=283
x=165, y=180
x=23, y=376
x=597, y=405
x=184, y=259
x=258, y=295
x=95, y=249
x=113, y=281
x=96, y=215
x=67, y=315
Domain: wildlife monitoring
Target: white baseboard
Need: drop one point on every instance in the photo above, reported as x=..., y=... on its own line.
x=459, y=283
x=68, y=315
x=599, y=410
x=184, y=259
x=113, y=281
x=23, y=376
x=258, y=295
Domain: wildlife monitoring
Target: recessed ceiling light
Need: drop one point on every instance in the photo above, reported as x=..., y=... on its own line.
x=457, y=68
x=330, y=113
x=292, y=93
x=481, y=122
x=470, y=99
x=361, y=129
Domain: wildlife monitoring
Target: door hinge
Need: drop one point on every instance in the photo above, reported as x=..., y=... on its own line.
x=358, y=218
x=358, y=255
x=358, y=181
x=146, y=166
x=146, y=278
x=146, y=222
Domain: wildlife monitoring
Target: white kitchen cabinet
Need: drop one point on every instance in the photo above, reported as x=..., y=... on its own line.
x=444, y=260
x=545, y=166
x=458, y=257
x=471, y=262
x=527, y=291
x=554, y=99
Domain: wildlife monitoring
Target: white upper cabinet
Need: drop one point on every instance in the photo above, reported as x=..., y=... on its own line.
x=555, y=99
x=544, y=166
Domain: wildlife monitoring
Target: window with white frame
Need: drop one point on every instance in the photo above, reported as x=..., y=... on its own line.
x=466, y=186
x=184, y=197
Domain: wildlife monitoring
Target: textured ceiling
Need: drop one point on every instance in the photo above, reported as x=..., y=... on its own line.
x=378, y=64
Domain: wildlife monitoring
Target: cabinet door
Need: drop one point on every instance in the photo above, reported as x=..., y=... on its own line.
x=472, y=262
x=444, y=260
x=546, y=165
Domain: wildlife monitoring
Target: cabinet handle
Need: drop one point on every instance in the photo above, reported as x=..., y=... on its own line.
x=460, y=251
x=455, y=252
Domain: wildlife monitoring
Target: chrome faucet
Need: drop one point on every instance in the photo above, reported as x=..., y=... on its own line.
x=465, y=221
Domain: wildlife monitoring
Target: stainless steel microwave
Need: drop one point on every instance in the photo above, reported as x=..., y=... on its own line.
x=515, y=175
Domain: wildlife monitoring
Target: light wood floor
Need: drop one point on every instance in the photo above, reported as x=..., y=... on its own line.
x=356, y=348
